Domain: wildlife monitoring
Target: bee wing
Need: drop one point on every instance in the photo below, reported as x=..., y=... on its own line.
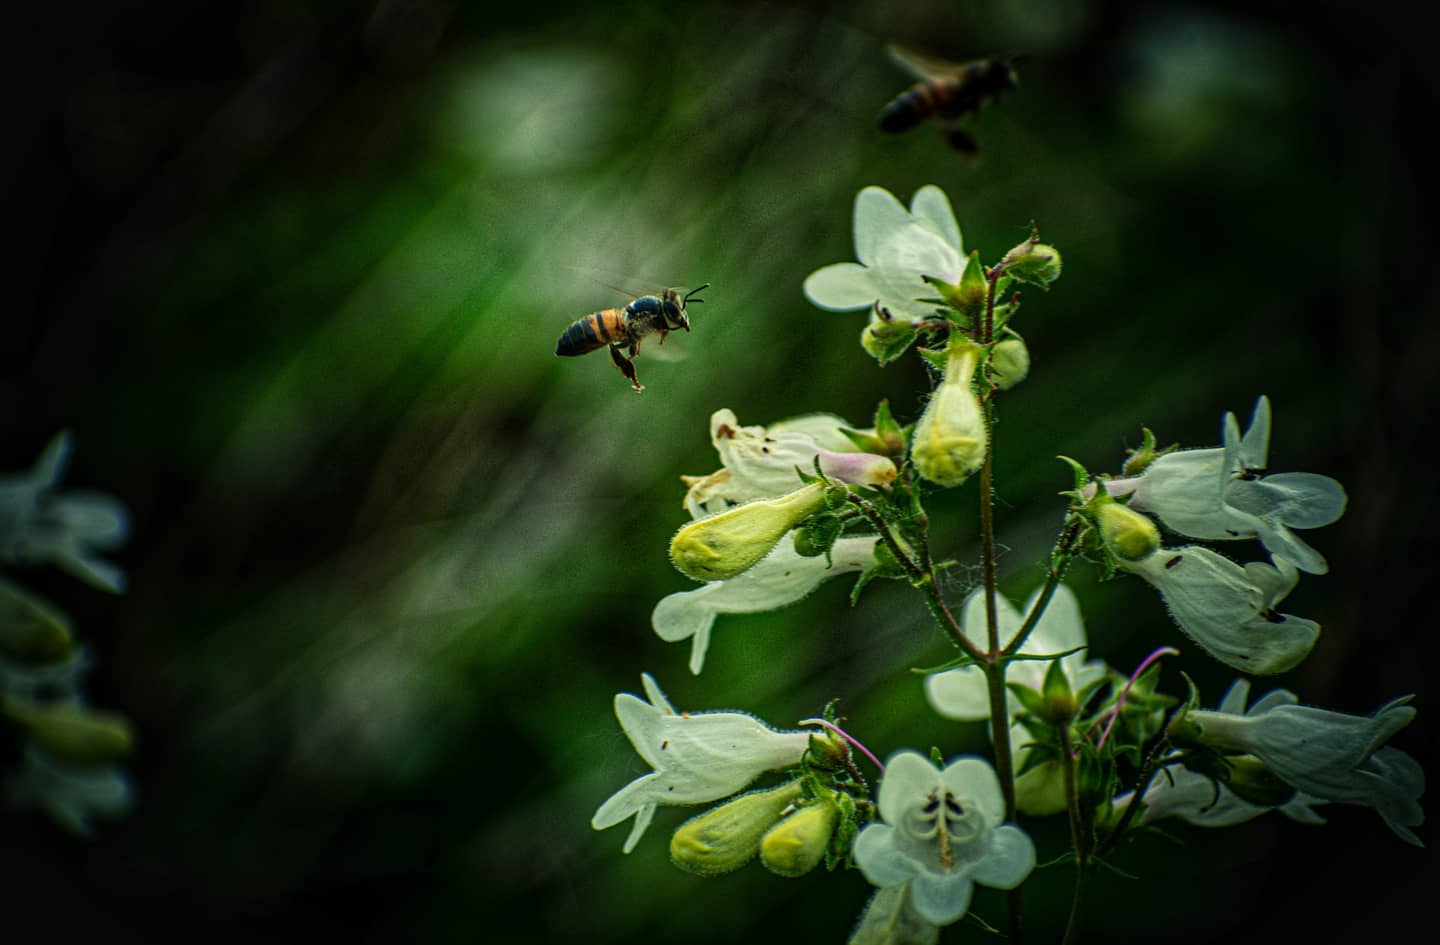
x=622, y=285
x=920, y=65
x=674, y=348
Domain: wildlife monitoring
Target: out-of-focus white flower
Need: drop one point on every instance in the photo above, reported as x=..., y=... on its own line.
x=943, y=832
x=760, y=463
x=1230, y=610
x=697, y=757
x=782, y=578
x=70, y=794
x=896, y=248
x=962, y=693
x=1224, y=493
x=1196, y=799
x=38, y=525
x=1340, y=758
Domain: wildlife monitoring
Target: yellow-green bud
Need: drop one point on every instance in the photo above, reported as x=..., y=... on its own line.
x=724, y=545
x=30, y=630
x=797, y=844
x=1127, y=534
x=1010, y=363
x=949, y=441
x=74, y=733
x=724, y=838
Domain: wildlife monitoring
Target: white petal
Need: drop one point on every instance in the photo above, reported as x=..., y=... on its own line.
x=932, y=207
x=1304, y=500
x=1185, y=490
x=960, y=694
x=642, y=821
x=876, y=855
x=625, y=802
x=51, y=465
x=1235, y=698
x=841, y=287
x=1060, y=628
x=909, y=777
x=1010, y=860
x=641, y=723
x=973, y=779
x=941, y=899
x=656, y=695
x=681, y=615
x=823, y=428
x=878, y=215
x=99, y=521
x=1285, y=545
x=1255, y=447
x=1271, y=700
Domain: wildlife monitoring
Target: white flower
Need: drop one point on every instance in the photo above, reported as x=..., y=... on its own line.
x=943, y=832
x=1330, y=755
x=1196, y=799
x=37, y=525
x=1230, y=610
x=963, y=694
x=1223, y=493
x=697, y=757
x=760, y=463
x=70, y=795
x=780, y=579
x=895, y=249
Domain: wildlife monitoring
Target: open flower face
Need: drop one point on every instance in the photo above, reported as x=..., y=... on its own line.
x=697, y=757
x=943, y=831
x=1230, y=610
x=782, y=578
x=896, y=248
x=1341, y=758
x=1224, y=493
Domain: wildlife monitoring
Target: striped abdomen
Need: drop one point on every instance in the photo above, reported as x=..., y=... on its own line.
x=918, y=103
x=593, y=332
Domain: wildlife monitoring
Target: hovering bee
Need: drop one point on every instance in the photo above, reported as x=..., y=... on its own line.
x=624, y=328
x=951, y=90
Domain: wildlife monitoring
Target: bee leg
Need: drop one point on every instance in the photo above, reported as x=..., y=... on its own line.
x=626, y=366
x=959, y=139
x=663, y=333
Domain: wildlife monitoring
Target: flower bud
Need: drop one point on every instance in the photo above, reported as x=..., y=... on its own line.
x=74, y=733
x=797, y=844
x=949, y=441
x=885, y=340
x=724, y=838
x=859, y=469
x=1033, y=262
x=724, y=545
x=1059, y=698
x=1010, y=363
x=30, y=630
x=1127, y=534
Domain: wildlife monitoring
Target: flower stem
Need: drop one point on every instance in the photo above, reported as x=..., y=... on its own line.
x=1142, y=784
x=1059, y=563
x=1077, y=832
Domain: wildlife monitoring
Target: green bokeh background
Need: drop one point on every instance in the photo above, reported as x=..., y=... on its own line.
x=293, y=274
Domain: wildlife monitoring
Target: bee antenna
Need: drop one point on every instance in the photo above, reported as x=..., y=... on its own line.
x=700, y=288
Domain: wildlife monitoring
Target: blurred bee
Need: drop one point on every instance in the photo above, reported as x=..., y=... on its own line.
x=951, y=90
x=624, y=328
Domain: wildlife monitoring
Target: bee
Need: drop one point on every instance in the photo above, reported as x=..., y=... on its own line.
x=951, y=90
x=624, y=328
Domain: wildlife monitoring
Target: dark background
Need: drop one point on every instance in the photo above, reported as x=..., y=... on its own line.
x=292, y=274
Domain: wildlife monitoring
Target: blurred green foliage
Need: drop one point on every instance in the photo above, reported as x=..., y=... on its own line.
x=294, y=276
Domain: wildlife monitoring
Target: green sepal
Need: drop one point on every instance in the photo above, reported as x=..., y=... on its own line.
x=866, y=442
x=936, y=756
x=935, y=357
x=75, y=733
x=889, y=430
x=973, y=290
x=1059, y=698
x=1033, y=262
x=959, y=662
x=1140, y=459
x=32, y=631
x=818, y=535
x=884, y=565
x=1082, y=478
x=1030, y=700
x=1042, y=657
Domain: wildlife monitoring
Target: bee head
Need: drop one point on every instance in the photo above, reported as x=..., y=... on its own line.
x=674, y=307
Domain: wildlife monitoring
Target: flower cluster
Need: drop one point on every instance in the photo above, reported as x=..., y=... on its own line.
x=71, y=751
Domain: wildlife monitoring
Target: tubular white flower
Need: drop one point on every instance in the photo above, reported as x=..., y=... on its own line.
x=943, y=832
x=1223, y=493
x=37, y=525
x=1230, y=610
x=697, y=757
x=1198, y=800
x=895, y=248
x=1341, y=758
x=760, y=463
x=962, y=693
x=780, y=579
